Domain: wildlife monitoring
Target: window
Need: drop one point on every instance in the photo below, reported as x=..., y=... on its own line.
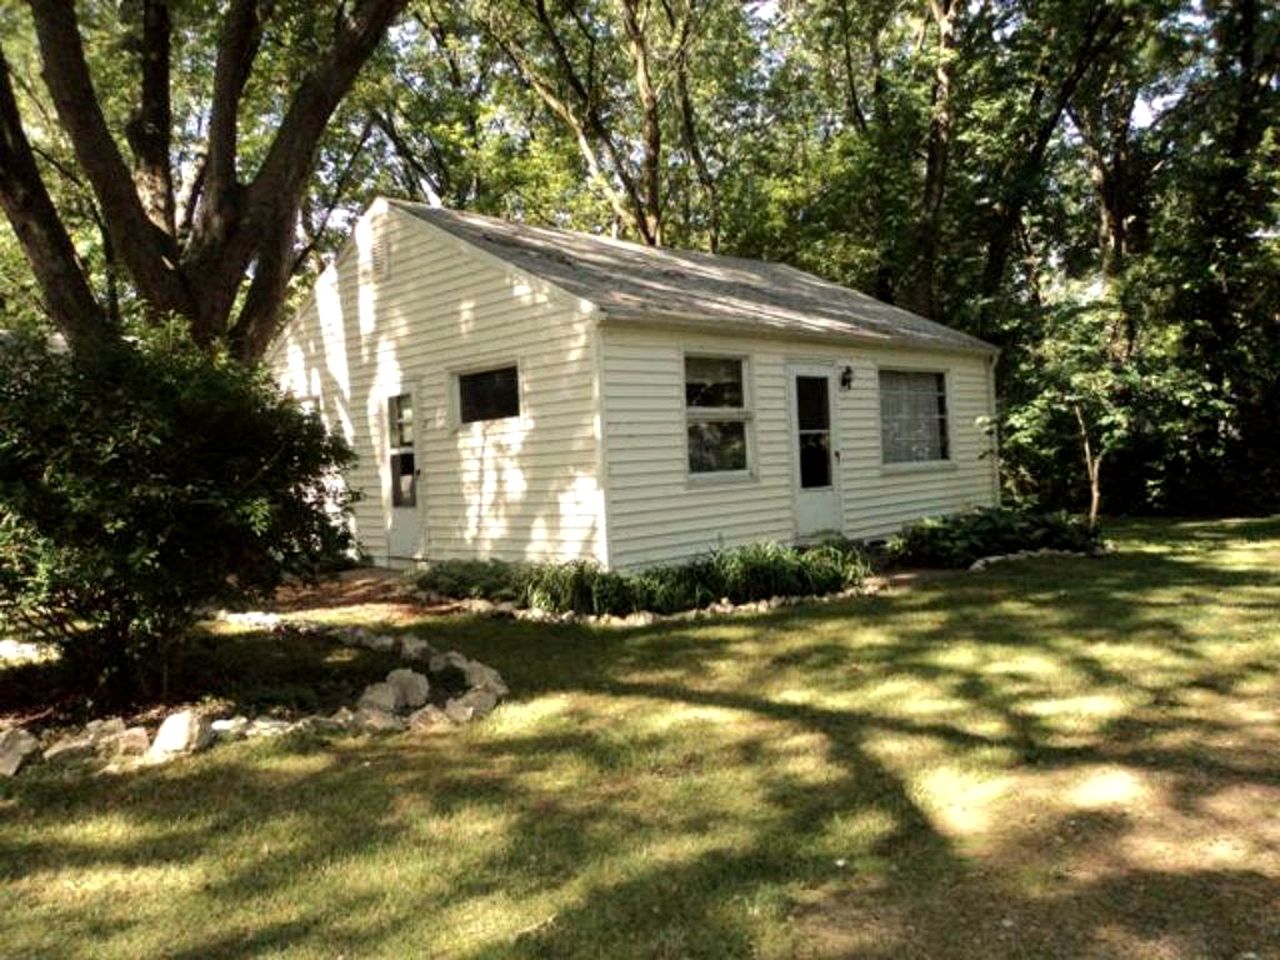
x=913, y=416
x=404, y=474
x=716, y=413
x=813, y=422
x=489, y=395
x=400, y=417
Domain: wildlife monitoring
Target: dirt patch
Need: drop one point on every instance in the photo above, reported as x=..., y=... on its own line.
x=364, y=595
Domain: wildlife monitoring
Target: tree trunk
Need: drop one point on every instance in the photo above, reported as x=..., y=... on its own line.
x=921, y=293
x=67, y=295
x=1092, y=466
x=242, y=230
x=650, y=201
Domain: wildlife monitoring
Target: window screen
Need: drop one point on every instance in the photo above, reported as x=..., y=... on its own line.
x=913, y=416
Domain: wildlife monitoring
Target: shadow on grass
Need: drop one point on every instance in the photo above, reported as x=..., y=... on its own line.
x=781, y=825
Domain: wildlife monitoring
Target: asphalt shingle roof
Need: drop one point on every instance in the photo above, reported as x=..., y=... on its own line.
x=634, y=283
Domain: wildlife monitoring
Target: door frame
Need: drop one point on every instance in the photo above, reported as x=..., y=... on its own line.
x=800, y=367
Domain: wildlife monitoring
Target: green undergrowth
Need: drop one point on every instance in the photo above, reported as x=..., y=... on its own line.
x=960, y=539
x=740, y=575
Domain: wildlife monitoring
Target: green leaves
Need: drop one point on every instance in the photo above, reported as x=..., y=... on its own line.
x=138, y=485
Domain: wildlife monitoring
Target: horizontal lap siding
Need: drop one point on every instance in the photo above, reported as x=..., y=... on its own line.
x=879, y=499
x=657, y=513
x=524, y=488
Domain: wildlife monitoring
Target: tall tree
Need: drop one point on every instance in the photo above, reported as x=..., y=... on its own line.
x=223, y=262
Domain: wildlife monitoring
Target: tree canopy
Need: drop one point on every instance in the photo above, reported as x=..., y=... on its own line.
x=1093, y=185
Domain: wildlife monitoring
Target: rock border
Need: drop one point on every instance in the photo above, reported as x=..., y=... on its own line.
x=399, y=702
x=506, y=610
x=984, y=562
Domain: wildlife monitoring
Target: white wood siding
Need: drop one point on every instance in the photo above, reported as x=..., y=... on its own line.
x=523, y=488
x=658, y=512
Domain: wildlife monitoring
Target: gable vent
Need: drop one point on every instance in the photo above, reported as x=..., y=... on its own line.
x=379, y=258
x=375, y=252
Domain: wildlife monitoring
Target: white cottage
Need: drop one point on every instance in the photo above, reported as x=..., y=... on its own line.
x=520, y=393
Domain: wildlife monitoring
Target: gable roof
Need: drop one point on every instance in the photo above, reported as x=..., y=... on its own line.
x=639, y=284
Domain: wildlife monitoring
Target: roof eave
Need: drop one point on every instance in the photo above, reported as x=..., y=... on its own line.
x=720, y=325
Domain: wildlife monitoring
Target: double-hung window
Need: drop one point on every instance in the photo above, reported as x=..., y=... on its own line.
x=913, y=416
x=716, y=414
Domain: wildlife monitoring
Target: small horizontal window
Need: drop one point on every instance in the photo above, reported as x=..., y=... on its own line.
x=913, y=416
x=489, y=395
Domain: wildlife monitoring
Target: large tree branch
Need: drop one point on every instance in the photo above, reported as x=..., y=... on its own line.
x=417, y=171
x=313, y=233
x=150, y=128
x=546, y=92
x=238, y=44
x=1100, y=30
x=633, y=19
x=145, y=249
x=68, y=298
x=265, y=229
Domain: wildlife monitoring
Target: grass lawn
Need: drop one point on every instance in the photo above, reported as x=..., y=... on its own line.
x=1058, y=758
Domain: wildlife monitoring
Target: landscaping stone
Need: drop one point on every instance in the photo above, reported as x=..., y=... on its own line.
x=483, y=677
x=268, y=727
x=100, y=730
x=985, y=562
x=341, y=718
x=183, y=732
x=131, y=742
x=428, y=716
x=459, y=712
x=415, y=648
x=16, y=745
x=411, y=688
x=73, y=746
x=443, y=661
x=379, y=696
x=480, y=702
x=381, y=644
x=373, y=720
x=230, y=728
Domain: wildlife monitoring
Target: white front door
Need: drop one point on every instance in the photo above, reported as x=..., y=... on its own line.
x=404, y=529
x=814, y=448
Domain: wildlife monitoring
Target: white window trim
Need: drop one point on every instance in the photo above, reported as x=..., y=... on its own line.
x=918, y=466
x=454, y=413
x=744, y=414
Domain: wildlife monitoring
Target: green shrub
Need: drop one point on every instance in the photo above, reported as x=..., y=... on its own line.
x=494, y=580
x=744, y=574
x=145, y=481
x=960, y=539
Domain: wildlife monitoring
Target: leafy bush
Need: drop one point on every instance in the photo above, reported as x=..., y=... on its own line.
x=754, y=572
x=144, y=481
x=475, y=580
x=960, y=539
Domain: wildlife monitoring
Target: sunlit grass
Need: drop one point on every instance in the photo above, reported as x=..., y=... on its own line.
x=1055, y=758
